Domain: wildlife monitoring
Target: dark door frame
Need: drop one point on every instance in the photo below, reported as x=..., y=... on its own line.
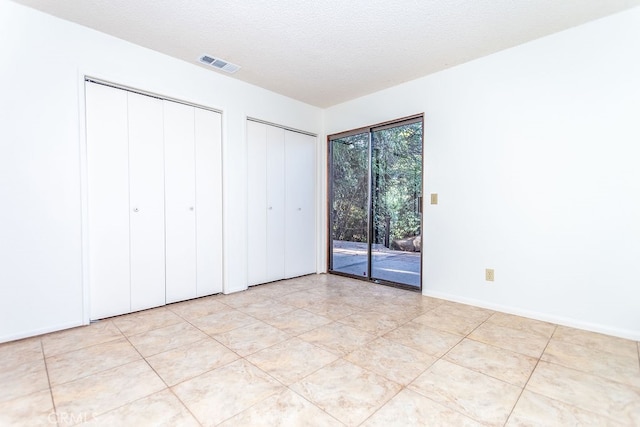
x=417, y=118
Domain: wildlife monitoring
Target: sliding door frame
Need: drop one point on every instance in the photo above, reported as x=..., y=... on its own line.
x=416, y=118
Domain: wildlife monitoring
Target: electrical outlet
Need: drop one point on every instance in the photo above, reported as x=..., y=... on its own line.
x=434, y=198
x=489, y=275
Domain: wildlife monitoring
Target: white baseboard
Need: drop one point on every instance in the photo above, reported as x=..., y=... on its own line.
x=35, y=332
x=233, y=291
x=545, y=317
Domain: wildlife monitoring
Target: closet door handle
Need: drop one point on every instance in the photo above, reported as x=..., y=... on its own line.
x=136, y=209
x=191, y=208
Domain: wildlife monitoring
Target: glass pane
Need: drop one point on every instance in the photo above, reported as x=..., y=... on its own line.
x=397, y=185
x=350, y=204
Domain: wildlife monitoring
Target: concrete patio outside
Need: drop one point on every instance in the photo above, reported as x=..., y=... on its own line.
x=387, y=264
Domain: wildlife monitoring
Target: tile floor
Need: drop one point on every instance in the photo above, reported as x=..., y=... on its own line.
x=320, y=350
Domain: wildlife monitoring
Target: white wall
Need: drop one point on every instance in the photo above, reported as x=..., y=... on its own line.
x=535, y=155
x=43, y=62
x=534, y=152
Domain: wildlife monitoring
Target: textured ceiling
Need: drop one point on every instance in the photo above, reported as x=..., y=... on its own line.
x=324, y=52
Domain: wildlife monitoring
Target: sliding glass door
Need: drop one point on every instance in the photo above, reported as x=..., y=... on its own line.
x=375, y=203
x=350, y=187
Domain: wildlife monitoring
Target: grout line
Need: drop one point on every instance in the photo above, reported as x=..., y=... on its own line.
x=402, y=388
x=474, y=370
x=86, y=347
x=592, y=373
x=184, y=405
x=167, y=387
x=145, y=361
x=313, y=404
x=53, y=402
x=531, y=374
x=436, y=361
x=323, y=296
x=146, y=312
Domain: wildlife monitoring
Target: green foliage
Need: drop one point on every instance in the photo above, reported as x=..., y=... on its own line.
x=350, y=187
x=396, y=184
x=397, y=177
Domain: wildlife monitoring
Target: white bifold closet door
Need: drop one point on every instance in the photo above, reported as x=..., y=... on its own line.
x=208, y=142
x=126, y=201
x=266, y=203
x=146, y=201
x=193, y=202
x=154, y=201
x=276, y=204
x=108, y=203
x=180, y=198
x=281, y=203
x=299, y=236
x=257, y=206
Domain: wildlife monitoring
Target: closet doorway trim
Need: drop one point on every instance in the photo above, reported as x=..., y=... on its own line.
x=264, y=122
x=151, y=94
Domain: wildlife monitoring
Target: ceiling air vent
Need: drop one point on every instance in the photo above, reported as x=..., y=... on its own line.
x=219, y=64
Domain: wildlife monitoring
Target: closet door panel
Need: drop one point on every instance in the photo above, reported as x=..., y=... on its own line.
x=275, y=203
x=208, y=157
x=256, y=203
x=146, y=177
x=180, y=201
x=300, y=242
x=108, y=201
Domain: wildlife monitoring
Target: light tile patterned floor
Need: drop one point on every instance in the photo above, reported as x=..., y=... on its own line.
x=320, y=350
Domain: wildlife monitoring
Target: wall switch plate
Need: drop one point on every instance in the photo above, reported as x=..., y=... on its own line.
x=489, y=275
x=434, y=198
